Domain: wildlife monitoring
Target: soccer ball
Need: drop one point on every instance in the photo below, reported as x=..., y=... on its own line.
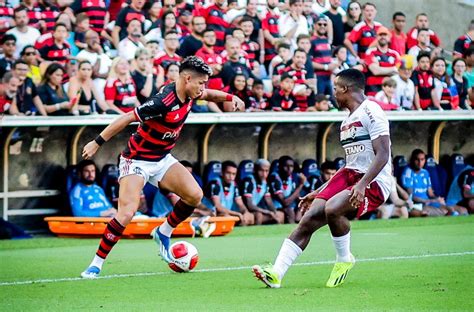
x=184, y=257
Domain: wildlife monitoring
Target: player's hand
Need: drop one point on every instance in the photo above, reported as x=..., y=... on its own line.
x=305, y=202
x=90, y=149
x=357, y=195
x=237, y=104
x=302, y=178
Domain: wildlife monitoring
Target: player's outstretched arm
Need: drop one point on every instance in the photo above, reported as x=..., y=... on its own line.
x=219, y=96
x=382, y=155
x=110, y=131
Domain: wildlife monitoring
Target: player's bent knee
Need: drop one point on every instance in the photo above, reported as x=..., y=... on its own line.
x=193, y=198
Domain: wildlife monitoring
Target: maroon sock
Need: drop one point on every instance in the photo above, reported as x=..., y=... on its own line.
x=111, y=235
x=181, y=212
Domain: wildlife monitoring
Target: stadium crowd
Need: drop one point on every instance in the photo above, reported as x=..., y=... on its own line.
x=261, y=192
x=81, y=57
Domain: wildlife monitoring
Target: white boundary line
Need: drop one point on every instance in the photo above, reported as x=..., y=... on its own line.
x=74, y=279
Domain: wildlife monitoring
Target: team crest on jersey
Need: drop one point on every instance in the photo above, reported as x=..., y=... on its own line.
x=348, y=133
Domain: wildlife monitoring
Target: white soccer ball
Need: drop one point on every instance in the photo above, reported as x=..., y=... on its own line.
x=184, y=257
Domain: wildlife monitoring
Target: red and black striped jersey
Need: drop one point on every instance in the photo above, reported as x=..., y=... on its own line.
x=161, y=119
x=215, y=20
x=123, y=94
x=52, y=52
x=363, y=34
x=424, y=84
x=163, y=59
x=321, y=53
x=299, y=76
x=34, y=16
x=44, y=40
x=252, y=49
x=125, y=16
x=6, y=19
x=95, y=9
x=49, y=14
x=390, y=58
x=462, y=44
x=270, y=23
x=412, y=36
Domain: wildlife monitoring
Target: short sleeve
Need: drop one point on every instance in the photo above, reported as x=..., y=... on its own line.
x=214, y=189
x=354, y=35
x=376, y=121
x=152, y=108
x=276, y=186
x=247, y=187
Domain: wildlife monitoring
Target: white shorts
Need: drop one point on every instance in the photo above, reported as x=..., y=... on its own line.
x=151, y=171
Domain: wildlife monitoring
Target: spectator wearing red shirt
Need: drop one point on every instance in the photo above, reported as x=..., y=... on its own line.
x=215, y=20
x=270, y=32
x=283, y=98
x=422, y=22
x=399, y=38
x=163, y=58
x=57, y=50
x=213, y=59
x=49, y=14
x=6, y=17
x=251, y=47
x=9, y=88
x=259, y=101
x=185, y=18
x=34, y=12
x=364, y=33
x=125, y=16
x=96, y=10
x=120, y=90
x=381, y=62
x=425, y=92
x=464, y=42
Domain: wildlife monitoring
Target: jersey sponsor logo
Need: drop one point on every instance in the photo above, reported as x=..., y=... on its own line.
x=96, y=205
x=351, y=150
x=171, y=134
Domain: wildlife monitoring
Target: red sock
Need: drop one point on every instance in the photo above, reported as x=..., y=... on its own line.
x=111, y=235
x=181, y=212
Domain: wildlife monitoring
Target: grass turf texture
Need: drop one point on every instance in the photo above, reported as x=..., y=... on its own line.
x=418, y=284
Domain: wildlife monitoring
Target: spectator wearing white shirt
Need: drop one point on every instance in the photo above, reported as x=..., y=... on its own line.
x=423, y=39
x=24, y=34
x=405, y=91
x=128, y=46
x=293, y=24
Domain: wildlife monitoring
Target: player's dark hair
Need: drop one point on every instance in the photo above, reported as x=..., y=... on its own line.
x=414, y=155
x=84, y=163
x=196, y=65
x=7, y=37
x=328, y=165
x=422, y=55
x=228, y=163
x=397, y=14
x=352, y=78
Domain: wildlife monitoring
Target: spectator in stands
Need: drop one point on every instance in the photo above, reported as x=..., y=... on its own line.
x=51, y=91
x=470, y=73
x=57, y=50
x=270, y=32
x=353, y=17
x=321, y=57
x=459, y=68
x=120, y=91
x=185, y=18
x=463, y=43
x=385, y=97
x=129, y=45
x=8, y=43
x=97, y=58
x=340, y=59
x=398, y=41
x=363, y=33
x=256, y=194
x=30, y=56
x=257, y=32
x=8, y=92
x=252, y=48
x=24, y=34
x=234, y=65
x=97, y=12
x=336, y=30
x=293, y=23
x=134, y=11
x=381, y=62
x=445, y=89
x=425, y=93
x=171, y=73
x=238, y=87
x=154, y=47
x=168, y=23
x=303, y=42
x=417, y=183
x=88, y=199
x=153, y=18
x=226, y=198
x=283, y=98
x=143, y=77
x=214, y=15
x=398, y=203
x=83, y=94
x=422, y=45
x=168, y=55
x=258, y=100
x=6, y=17
x=27, y=101
x=405, y=91
x=285, y=187
x=214, y=60
x=279, y=62
x=192, y=43
x=82, y=26
x=422, y=23
x=321, y=104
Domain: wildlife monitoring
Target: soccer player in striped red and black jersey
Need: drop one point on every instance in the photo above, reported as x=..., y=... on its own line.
x=96, y=10
x=365, y=32
x=215, y=20
x=147, y=157
x=381, y=62
x=270, y=32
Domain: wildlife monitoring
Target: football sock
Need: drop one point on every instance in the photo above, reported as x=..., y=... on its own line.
x=166, y=229
x=111, y=235
x=288, y=253
x=343, y=247
x=181, y=212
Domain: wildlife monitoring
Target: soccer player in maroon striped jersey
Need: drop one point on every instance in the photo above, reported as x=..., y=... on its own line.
x=147, y=157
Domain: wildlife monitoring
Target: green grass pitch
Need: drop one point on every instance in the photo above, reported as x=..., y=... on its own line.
x=405, y=265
